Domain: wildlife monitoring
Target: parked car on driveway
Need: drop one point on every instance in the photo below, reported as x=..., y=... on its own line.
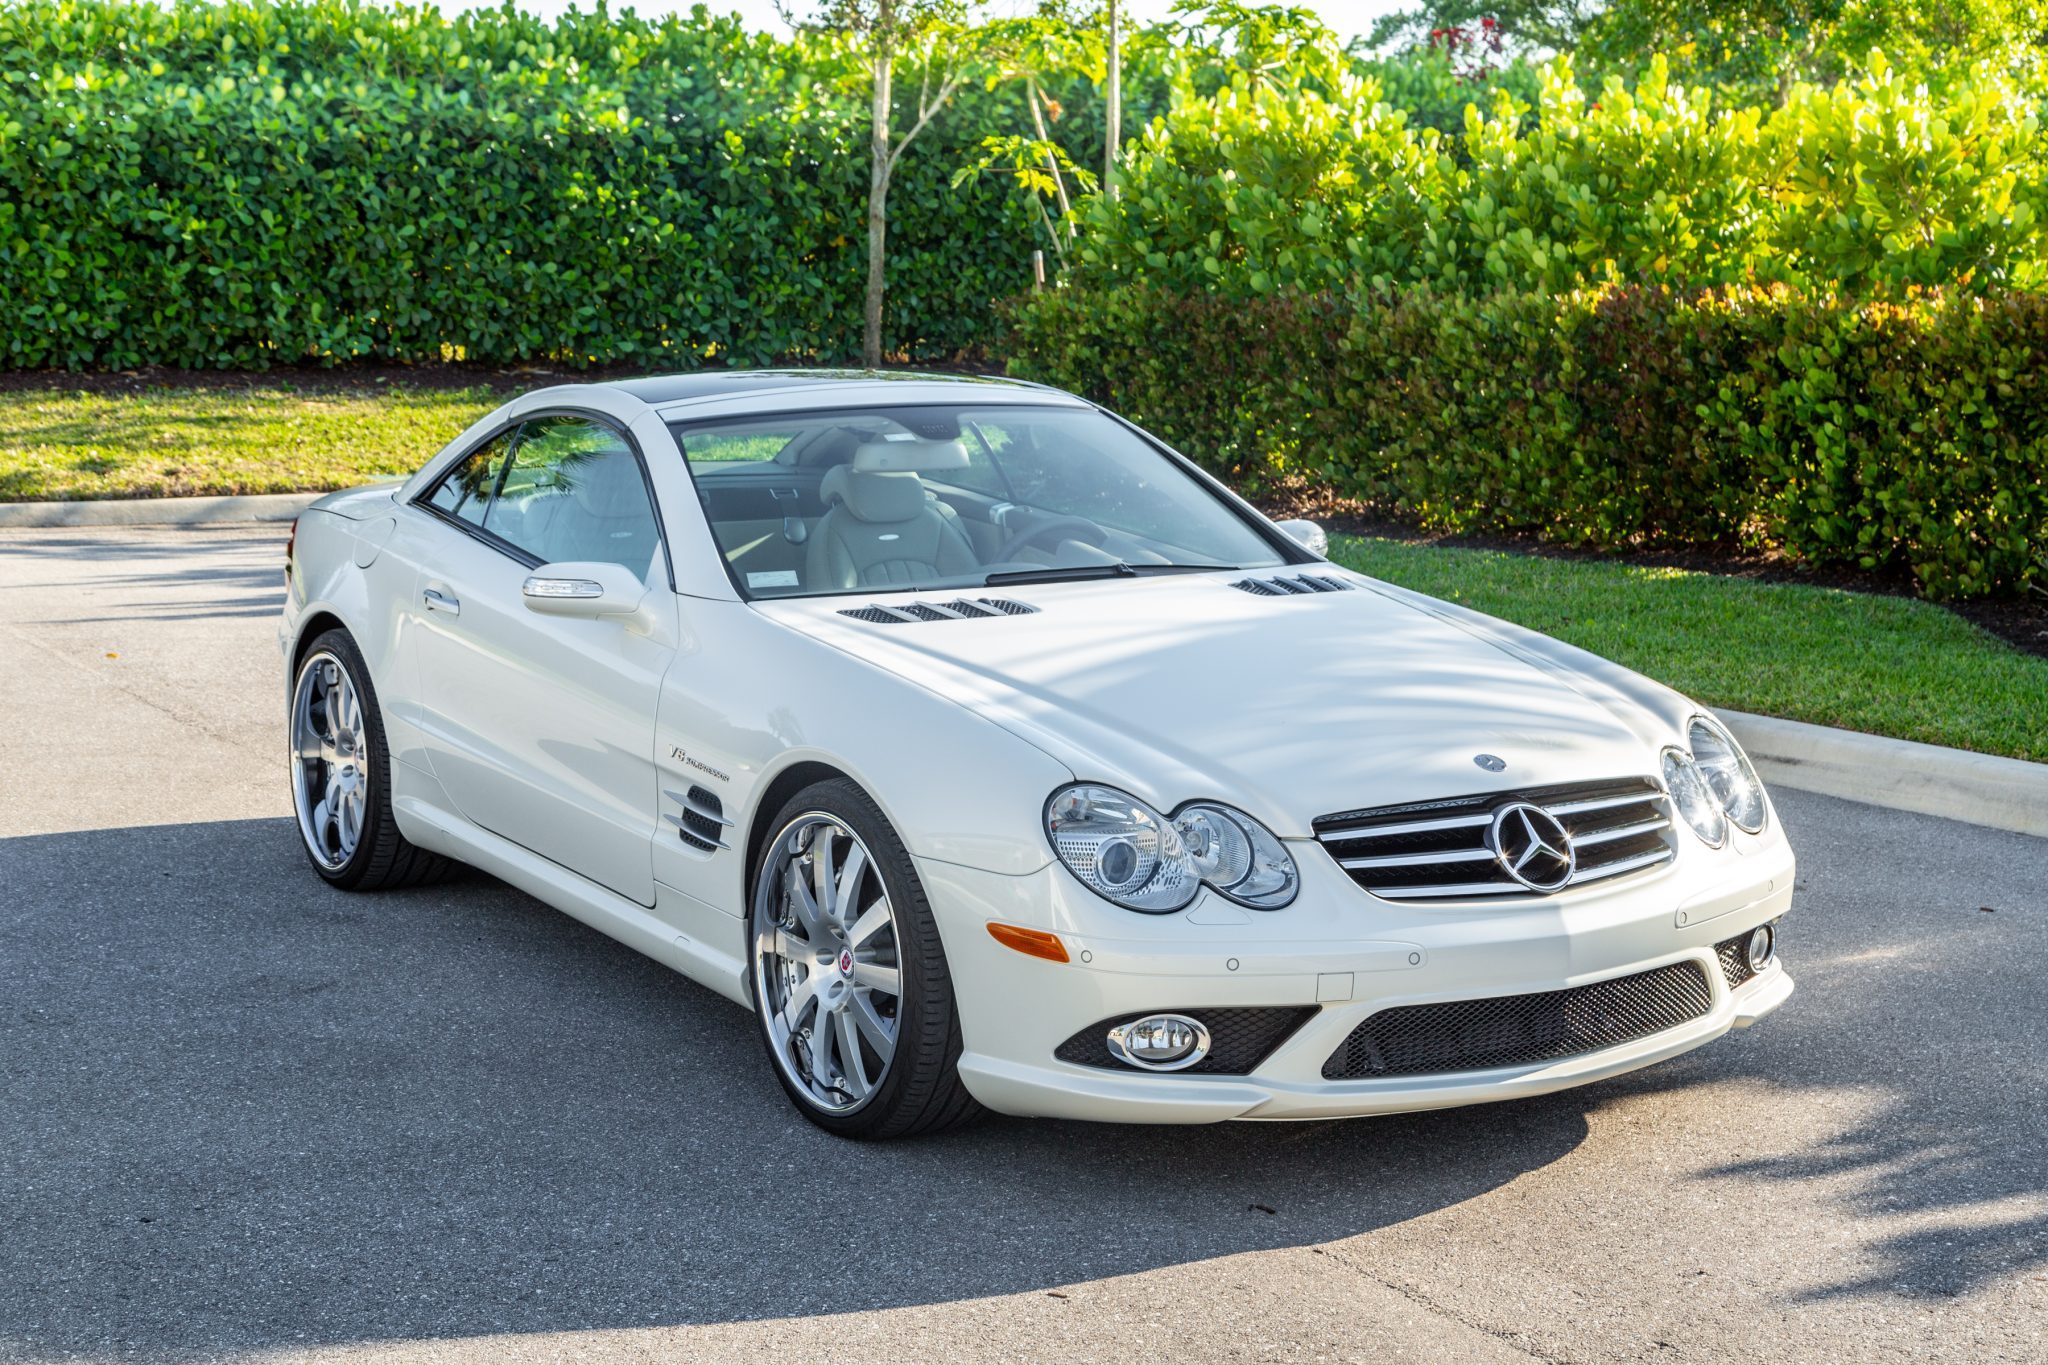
x=997, y=757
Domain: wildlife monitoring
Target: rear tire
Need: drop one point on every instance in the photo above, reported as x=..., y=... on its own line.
x=850, y=983
x=341, y=775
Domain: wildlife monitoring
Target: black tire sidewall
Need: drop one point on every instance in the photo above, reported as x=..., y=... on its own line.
x=928, y=1028
x=377, y=822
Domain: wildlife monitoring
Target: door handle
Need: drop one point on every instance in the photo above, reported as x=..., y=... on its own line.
x=436, y=600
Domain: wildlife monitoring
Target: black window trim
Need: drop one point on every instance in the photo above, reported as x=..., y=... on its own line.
x=1290, y=550
x=516, y=426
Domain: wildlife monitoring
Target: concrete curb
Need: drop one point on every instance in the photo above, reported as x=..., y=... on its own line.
x=2000, y=793
x=156, y=511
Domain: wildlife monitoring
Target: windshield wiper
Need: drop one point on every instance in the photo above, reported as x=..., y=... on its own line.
x=1085, y=571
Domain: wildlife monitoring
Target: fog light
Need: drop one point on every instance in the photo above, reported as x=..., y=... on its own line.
x=1763, y=943
x=1160, y=1042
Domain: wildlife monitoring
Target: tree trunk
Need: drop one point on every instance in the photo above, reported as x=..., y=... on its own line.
x=1113, y=143
x=1052, y=163
x=878, y=186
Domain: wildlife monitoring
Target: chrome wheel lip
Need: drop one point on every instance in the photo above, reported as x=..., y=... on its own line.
x=826, y=967
x=330, y=759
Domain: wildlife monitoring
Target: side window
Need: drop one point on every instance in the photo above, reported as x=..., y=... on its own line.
x=574, y=491
x=465, y=491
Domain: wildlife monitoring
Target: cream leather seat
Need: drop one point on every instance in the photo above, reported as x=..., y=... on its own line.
x=880, y=528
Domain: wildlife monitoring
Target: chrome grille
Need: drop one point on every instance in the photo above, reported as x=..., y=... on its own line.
x=1431, y=850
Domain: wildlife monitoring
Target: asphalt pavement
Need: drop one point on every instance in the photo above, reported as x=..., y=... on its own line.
x=243, y=1116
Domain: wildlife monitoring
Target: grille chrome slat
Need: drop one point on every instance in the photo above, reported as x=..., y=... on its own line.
x=1564, y=808
x=1409, y=893
x=1456, y=855
x=1608, y=836
x=1337, y=832
x=1615, y=869
x=1438, y=850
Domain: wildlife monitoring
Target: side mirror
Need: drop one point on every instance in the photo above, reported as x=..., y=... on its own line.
x=1311, y=536
x=583, y=588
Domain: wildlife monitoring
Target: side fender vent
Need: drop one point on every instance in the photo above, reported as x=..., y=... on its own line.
x=959, y=609
x=701, y=821
x=1300, y=585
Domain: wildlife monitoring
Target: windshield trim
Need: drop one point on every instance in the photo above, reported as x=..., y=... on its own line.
x=1283, y=545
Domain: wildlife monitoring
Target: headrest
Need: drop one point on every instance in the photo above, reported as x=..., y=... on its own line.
x=918, y=456
x=871, y=496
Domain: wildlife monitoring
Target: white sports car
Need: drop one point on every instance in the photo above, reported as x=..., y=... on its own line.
x=996, y=756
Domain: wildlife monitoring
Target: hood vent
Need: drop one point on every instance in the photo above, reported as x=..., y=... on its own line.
x=959, y=609
x=1298, y=586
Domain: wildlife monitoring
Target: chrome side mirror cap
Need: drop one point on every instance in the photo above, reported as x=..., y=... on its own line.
x=1308, y=534
x=580, y=588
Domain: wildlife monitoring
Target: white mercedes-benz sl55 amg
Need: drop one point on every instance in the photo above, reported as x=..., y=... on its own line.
x=997, y=757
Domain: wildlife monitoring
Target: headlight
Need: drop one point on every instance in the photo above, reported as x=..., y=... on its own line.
x=1127, y=852
x=1695, y=801
x=1237, y=855
x=1726, y=768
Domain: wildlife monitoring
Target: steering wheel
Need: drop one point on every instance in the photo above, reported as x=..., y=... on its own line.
x=1062, y=528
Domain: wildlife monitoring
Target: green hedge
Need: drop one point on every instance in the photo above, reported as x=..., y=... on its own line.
x=242, y=184
x=1909, y=435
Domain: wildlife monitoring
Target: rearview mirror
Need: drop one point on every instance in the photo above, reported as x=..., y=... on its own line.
x=1308, y=534
x=583, y=588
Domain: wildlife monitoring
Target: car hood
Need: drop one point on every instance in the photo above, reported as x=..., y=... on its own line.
x=1292, y=706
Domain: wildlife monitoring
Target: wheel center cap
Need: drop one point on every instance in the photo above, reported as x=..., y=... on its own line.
x=846, y=962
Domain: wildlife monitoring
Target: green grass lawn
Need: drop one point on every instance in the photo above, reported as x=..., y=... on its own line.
x=265, y=439
x=1885, y=665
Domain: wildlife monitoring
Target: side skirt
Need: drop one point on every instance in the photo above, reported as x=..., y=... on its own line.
x=681, y=933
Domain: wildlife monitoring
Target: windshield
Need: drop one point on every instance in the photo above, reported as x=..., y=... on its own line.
x=910, y=498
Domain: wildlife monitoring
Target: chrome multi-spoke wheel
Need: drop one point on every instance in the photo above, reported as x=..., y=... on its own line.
x=826, y=968
x=341, y=774
x=330, y=760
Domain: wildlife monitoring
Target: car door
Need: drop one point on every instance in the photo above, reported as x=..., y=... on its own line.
x=541, y=727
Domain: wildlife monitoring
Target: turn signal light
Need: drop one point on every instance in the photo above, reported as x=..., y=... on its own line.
x=1030, y=942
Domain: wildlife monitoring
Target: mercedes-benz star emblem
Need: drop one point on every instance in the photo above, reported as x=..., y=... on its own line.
x=1532, y=847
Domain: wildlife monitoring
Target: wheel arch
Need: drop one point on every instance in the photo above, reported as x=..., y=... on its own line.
x=785, y=784
x=315, y=624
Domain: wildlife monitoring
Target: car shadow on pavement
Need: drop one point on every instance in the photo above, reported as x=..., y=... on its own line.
x=240, y=1111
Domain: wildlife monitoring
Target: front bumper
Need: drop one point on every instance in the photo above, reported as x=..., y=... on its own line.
x=1341, y=950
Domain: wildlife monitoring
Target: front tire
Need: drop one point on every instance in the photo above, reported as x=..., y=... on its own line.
x=850, y=982
x=341, y=775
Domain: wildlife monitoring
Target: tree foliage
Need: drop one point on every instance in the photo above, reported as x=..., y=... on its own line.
x=1873, y=185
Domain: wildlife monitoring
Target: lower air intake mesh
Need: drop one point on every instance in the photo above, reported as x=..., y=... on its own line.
x=1239, y=1039
x=1734, y=955
x=1520, y=1030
